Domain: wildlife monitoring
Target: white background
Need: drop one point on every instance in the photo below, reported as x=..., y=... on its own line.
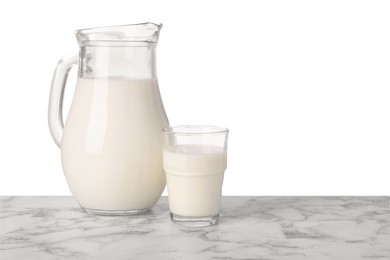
x=304, y=87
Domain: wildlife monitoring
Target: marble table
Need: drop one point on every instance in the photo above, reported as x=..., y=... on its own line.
x=293, y=228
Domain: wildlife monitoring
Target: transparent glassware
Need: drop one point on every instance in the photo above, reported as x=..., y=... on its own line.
x=111, y=143
x=194, y=161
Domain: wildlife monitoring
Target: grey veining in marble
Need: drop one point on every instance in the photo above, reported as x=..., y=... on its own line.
x=293, y=228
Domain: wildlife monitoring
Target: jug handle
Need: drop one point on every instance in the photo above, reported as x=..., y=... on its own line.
x=56, y=123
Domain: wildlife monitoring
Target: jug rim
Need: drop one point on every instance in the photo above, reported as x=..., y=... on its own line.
x=137, y=34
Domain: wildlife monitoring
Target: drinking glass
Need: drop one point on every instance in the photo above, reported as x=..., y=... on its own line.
x=194, y=161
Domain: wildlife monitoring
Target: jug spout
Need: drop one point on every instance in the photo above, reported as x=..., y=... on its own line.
x=121, y=35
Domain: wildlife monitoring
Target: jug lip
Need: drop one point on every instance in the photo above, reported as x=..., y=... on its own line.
x=138, y=34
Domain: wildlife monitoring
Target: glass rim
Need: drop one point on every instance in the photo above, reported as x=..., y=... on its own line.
x=186, y=130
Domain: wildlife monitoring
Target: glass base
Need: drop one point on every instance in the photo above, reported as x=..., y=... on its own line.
x=115, y=212
x=194, y=221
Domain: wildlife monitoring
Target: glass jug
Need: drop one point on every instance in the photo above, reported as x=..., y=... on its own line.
x=111, y=143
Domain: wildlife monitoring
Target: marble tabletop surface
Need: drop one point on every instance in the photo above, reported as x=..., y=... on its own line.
x=345, y=228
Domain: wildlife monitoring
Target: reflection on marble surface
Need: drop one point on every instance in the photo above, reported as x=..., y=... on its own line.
x=293, y=228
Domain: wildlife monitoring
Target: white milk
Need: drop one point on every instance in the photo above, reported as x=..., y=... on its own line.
x=111, y=146
x=194, y=179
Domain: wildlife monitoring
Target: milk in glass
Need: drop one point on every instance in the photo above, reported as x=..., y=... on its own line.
x=194, y=178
